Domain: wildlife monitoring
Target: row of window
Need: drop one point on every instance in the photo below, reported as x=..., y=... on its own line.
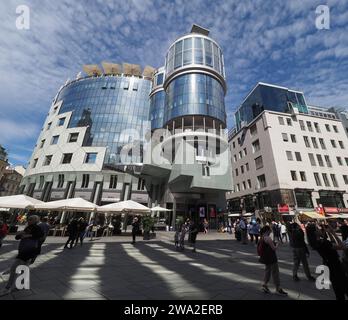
x=308, y=125
x=317, y=178
x=255, y=148
x=320, y=160
x=316, y=127
x=243, y=168
x=313, y=140
x=60, y=123
x=244, y=186
x=86, y=179
x=295, y=178
x=72, y=138
x=261, y=183
x=325, y=178
x=90, y=158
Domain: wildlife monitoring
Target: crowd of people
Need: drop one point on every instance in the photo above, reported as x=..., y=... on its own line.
x=320, y=237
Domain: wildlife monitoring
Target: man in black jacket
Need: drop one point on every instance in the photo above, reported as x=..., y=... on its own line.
x=27, y=250
x=300, y=251
x=135, y=229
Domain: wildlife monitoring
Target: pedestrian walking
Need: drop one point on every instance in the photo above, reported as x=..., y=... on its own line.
x=205, y=226
x=135, y=229
x=3, y=231
x=300, y=252
x=243, y=230
x=81, y=231
x=317, y=237
x=72, y=232
x=193, y=229
x=184, y=230
x=254, y=231
x=27, y=250
x=177, y=237
x=283, y=232
x=237, y=231
x=45, y=228
x=267, y=252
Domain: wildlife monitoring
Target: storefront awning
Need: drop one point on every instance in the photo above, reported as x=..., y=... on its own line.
x=313, y=215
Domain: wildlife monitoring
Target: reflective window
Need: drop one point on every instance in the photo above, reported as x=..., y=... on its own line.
x=107, y=112
x=159, y=79
x=61, y=122
x=91, y=157
x=55, y=139
x=194, y=50
x=195, y=94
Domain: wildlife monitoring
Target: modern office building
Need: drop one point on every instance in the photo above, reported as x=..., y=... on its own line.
x=287, y=155
x=78, y=152
x=96, y=141
x=187, y=166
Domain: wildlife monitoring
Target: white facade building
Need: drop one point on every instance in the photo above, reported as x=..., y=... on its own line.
x=296, y=160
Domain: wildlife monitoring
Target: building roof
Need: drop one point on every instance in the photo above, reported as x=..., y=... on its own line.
x=198, y=29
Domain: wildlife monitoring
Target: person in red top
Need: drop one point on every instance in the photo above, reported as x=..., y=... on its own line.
x=3, y=231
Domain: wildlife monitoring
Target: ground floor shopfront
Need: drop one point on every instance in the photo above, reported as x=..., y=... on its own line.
x=293, y=199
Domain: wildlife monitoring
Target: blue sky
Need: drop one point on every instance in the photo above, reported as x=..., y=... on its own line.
x=262, y=40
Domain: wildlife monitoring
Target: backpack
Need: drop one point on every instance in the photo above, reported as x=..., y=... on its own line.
x=260, y=248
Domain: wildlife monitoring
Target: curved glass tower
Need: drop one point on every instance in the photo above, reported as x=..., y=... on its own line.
x=189, y=169
x=83, y=147
x=195, y=79
x=154, y=136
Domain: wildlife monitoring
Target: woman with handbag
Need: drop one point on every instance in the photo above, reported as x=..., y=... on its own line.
x=27, y=250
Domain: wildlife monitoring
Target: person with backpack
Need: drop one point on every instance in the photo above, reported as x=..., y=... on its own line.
x=3, y=231
x=27, y=250
x=266, y=250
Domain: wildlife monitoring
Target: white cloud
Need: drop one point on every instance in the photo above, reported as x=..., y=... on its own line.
x=262, y=41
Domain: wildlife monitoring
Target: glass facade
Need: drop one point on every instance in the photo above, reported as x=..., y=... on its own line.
x=194, y=94
x=157, y=109
x=107, y=105
x=195, y=50
x=265, y=97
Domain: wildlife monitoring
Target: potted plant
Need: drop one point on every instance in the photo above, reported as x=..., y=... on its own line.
x=148, y=224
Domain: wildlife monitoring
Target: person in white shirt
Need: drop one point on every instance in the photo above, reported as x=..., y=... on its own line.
x=283, y=231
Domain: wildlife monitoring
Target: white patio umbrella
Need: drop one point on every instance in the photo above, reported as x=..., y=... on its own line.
x=19, y=201
x=124, y=206
x=234, y=215
x=74, y=204
x=160, y=209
